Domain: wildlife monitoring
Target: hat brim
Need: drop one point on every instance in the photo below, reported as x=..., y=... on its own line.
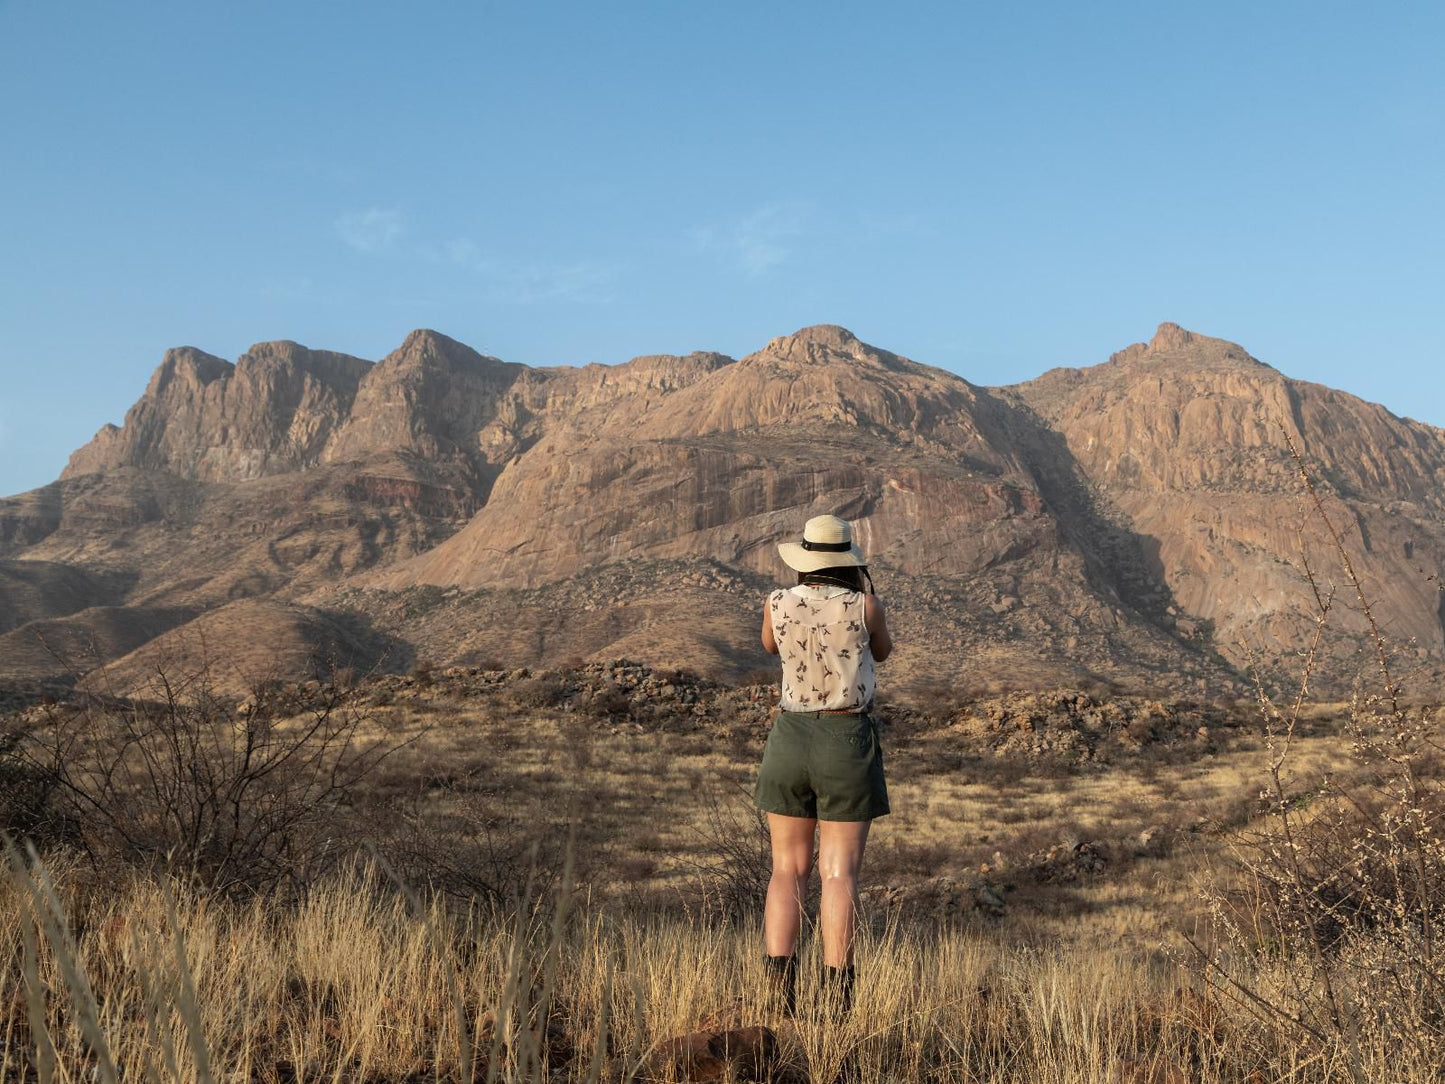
x=801, y=560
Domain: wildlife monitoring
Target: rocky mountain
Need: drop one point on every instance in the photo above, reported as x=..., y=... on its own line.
x=721, y=466
x=1183, y=440
x=1135, y=521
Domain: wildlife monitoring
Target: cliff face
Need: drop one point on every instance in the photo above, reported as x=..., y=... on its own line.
x=1186, y=440
x=203, y=418
x=429, y=398
x=723, y=464
x=1137, y=516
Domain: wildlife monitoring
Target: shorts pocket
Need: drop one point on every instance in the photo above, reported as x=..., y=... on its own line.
x=856, y=735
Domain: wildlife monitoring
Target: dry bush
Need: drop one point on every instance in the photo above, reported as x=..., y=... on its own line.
x=26, y=811
x=610, y=702
x=539, y=691
x=732, y=858
x=1330, y=932
x=242, y=798
x=474, y=845
x=473, y=820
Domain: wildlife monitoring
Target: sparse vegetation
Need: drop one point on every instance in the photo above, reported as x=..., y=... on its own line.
x=241, y=797
x=555, y=875
x=1328, y=930
x=358, y=984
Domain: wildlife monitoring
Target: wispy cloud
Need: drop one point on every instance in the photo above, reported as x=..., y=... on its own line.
x=756, y=242
x=304, y=289
x=503, y=280
x=526, y=282
x=370, y=230
x=583, y=281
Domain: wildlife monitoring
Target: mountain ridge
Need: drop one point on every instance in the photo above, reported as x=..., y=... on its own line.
x=1133, y=517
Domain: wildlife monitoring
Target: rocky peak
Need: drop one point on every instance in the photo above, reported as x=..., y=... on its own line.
x=1175, y=347
x=1171, y=337
x=817, y=376
x=340, y=372
x=1189, y=413
x=188, y=367
x=203, y=418
x=1175, y=365
x=825, y=345
x=826, y=335
x=428, y=350
x=430, y=397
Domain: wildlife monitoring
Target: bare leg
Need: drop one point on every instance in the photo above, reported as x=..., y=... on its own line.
x=840, y=854
x=792, y=863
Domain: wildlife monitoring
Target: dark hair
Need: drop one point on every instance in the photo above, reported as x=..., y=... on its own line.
x=849, y=576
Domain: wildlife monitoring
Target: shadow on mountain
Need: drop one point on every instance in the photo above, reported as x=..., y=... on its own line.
x=1121, y=566
x=242, y=645
x=63, y=650
x=43, y=590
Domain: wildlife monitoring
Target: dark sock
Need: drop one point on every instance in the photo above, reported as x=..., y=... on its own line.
x=838, y=988
x=782, y=976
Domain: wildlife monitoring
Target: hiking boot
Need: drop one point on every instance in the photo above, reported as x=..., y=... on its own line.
x=838, y=990
x=782, y=980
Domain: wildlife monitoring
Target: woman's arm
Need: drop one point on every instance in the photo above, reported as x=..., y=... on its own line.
x=770, y=642
x=879, y=639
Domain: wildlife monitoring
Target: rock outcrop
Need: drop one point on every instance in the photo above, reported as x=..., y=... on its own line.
x=203, y=418
x=1185, y=439
x=723, y=466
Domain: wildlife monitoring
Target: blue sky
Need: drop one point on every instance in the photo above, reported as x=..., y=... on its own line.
x=992, y=188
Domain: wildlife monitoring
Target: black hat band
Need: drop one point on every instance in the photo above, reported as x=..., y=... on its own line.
x=828, y=547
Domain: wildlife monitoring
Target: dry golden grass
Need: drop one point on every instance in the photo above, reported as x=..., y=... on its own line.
x=1077, y=982
x=355, y=985
x=651, y=796
x=1083, y=978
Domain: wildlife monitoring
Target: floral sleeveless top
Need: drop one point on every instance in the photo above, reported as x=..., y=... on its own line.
x=823, y=641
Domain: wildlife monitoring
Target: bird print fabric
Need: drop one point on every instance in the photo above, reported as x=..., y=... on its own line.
x=823, y=641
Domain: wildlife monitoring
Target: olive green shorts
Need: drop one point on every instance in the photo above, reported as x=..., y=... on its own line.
x=823, y=765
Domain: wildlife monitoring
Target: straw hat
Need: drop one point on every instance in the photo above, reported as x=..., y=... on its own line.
x=827, y=543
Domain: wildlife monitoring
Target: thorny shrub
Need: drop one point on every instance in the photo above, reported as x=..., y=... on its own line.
x=241, y=798
x=472, y=839
x=26, y=811
x=734, y=860
x=1331, y=930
